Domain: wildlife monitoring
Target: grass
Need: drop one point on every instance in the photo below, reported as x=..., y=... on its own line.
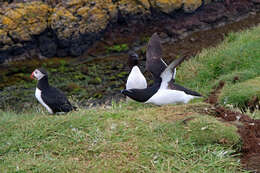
x=132, y=137
x=122, y=138
x=238, y=56
x=240, y=94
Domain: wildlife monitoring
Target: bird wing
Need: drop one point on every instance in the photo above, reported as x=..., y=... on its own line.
x=56, y=100
x=169, y=72
x=154, y=62
x=175, y=86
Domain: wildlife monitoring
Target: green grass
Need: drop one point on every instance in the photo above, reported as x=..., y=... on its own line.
x=123, y=138
x=241, y=93
x=118, y=48
x=132, y=137
x=238, y=56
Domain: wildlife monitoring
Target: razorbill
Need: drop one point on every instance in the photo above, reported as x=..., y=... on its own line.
x=136, y=78
x=164, y=90
x=154, y=61
x=53, y=99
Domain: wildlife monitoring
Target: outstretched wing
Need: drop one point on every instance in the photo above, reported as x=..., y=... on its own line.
x=154, y=62
x=56, y=100
x=169, y=72
x=175, y=86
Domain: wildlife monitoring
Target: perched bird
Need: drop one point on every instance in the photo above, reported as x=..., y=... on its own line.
x=163, y=91
x=53, y=99
x=135, y=79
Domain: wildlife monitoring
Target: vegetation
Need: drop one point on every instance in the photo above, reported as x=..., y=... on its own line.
x=128, y=137
x=239, y=94
x=235, y=61
x=118, y=48
x=133, y=137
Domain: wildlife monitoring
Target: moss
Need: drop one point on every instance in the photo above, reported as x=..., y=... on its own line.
x=118, y=48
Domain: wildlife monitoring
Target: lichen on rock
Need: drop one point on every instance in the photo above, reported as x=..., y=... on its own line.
x=68, y=27
x=23, y=20
x=167, y=6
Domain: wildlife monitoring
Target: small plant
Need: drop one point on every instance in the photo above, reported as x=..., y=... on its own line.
x=118, y=48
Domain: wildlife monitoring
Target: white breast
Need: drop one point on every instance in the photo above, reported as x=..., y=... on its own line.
x=38, y=94
x=166, y=96
x=136, y=79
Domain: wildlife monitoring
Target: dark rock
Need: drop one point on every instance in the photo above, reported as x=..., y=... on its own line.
x=63, y=43
x=3, y=57
x=47, y=45
x=17, y=50
x=76, y=50
x=241, y=7
x=62, y=52
x=212, y=12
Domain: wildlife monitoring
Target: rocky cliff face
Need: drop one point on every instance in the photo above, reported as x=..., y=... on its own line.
x=48, y=28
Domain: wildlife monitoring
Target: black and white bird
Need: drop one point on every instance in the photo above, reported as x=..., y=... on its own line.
x=164, y=90
x=136, y=78
x=53, y=99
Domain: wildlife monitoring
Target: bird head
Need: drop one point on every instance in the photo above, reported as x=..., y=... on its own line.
x=38, y=74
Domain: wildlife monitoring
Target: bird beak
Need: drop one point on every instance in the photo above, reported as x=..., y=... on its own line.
x=32, y=76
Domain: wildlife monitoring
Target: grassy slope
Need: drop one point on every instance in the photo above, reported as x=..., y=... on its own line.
x=238, y=56
x=139, y=138
x=123, y=138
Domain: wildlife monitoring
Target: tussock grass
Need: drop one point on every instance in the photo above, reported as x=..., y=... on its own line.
x=238, y=56
x=122, y=138
x=241, y=93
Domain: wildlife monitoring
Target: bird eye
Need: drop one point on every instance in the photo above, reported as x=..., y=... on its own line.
x=36, y=72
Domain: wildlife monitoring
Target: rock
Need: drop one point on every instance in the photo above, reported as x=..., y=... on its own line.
x=69, y=27
x=131, y=8
x=22, y=20
x=3, y=57
x=190, y=6
x=4, y=40
x=212, y=13
x=167, y=6
x=47, y=45
x=207, y=1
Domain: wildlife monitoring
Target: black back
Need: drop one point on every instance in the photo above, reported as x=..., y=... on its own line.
x=142, y=95
x=54, y=97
